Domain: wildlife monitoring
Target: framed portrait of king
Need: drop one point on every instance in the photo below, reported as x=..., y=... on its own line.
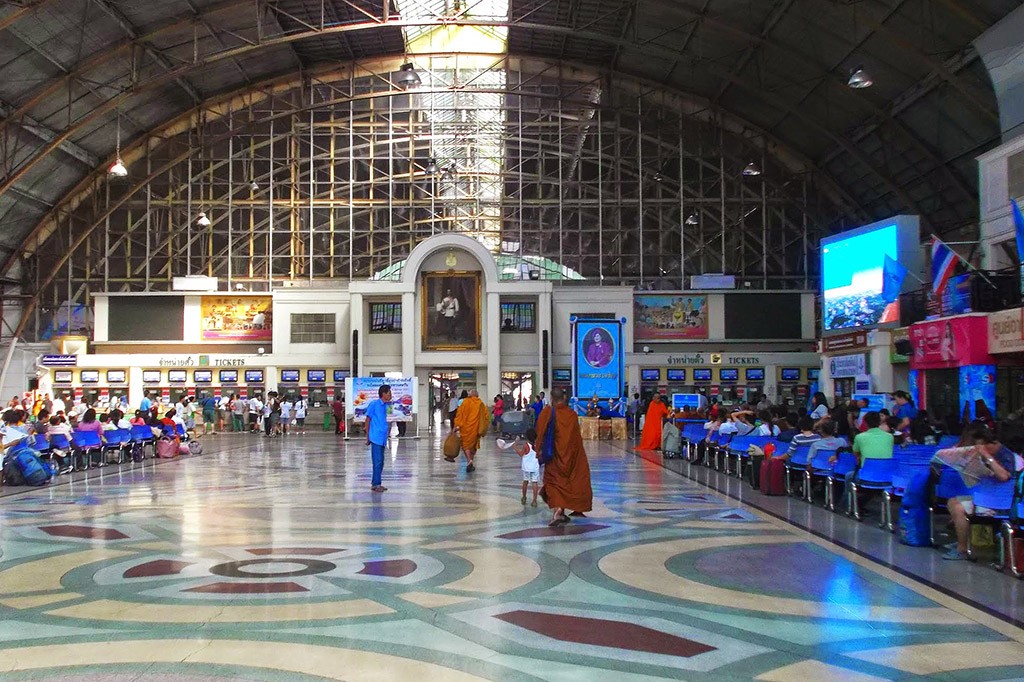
x=451, y=310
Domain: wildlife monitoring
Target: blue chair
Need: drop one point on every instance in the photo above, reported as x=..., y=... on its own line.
x=874, y=474
x=182, y=434
x=846, y=462
x=41, y=445
x=821, y=467
x=1011, y=526
x=742, y=455
x=995, y=495
x=798, y=460
x=85, y=445
x=722, y=449
x=950, y=485
x=58, y=441
x=911, y=460
x=692, y=434
x=737, y=444
x=143, y=435
x=948, y=441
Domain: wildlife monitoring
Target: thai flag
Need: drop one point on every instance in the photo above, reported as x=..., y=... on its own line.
x=943, y=265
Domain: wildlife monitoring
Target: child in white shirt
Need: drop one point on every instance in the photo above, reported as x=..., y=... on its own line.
x=528, y=462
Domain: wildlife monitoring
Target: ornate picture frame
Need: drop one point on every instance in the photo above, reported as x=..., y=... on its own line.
x=450, y=308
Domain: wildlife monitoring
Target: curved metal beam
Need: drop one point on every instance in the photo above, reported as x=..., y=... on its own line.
x=289, y=81
x=779, y=103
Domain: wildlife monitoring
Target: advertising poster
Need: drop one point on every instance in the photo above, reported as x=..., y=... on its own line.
x=597, y=357
x=363, y=390
x=978, y=392
x=236, y=318
x=670, y=317
x=950, y=343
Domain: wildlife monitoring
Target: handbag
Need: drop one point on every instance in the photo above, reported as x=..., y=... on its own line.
x=452, y=445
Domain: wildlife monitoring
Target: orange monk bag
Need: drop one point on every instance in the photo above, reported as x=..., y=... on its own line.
x=485, y=420
x=452, y=445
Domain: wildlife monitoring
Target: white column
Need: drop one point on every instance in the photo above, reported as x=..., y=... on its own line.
x=135, y=388
x=408, y=334
x=771, y=385
x=492, y=345
x=544, y=324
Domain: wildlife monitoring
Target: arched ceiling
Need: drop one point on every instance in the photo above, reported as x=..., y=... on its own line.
x=907, y=144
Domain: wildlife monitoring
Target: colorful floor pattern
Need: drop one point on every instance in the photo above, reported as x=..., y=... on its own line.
x=272, y=561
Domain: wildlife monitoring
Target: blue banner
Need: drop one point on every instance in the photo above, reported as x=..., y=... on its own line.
x=597, y=356
x=978, y=392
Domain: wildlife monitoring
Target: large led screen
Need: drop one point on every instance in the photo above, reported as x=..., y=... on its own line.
x=855, y=266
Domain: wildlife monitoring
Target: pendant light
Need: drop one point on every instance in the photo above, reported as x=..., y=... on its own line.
x=202, y=220
x=118, y=169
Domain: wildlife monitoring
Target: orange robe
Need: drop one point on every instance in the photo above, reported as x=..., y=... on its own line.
x=471, y=417
x=567, y=475
x=650, y=439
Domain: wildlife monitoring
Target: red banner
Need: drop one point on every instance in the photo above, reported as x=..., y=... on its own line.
x=951, y=342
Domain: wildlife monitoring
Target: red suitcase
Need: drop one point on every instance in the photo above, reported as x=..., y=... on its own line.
x=773, y=476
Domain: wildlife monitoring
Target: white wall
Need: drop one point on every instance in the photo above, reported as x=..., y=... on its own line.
x=996, y=218
x=287, y=302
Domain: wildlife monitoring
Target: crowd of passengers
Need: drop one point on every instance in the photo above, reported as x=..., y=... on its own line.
x=870, y=434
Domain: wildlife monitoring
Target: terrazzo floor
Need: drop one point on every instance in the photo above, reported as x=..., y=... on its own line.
x=271, y=560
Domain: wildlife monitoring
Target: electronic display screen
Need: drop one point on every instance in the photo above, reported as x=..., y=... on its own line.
x=702, y=374
x=340, y=375
x=853, y=270
x=254, y=376
x=116, y=376
x=677, y=375
x=203, y=376
x=813, y=373
x=561, y=374
x=90, y=376
x=755, y=374
x=151, y=376
x=177, y=376
x=729, y=374
x=228, y=376
x=316, y=376
x=62, y=376
x=650, y=375
x=289, y=375
x=791, y=374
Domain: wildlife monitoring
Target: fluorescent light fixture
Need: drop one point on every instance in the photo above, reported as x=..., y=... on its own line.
x=752, y=169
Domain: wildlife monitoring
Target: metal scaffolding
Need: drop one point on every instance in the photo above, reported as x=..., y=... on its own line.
x=329, y=176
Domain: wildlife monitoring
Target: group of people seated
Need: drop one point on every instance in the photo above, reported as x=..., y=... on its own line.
x=868, y=434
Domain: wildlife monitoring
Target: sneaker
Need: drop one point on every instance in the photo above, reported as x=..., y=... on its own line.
x=954, y=555
x=470, y=468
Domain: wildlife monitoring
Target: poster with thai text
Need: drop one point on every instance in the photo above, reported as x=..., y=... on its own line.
x=661, y=316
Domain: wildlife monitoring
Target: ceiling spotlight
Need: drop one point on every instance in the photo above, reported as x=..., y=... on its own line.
x=431, y=166
x=657, y=177
x=254, y=186
x=202, y=220
x=407, y=76
x=752, y=169
x=692, y=219
x=859, y=78
x=118, y=170
x=239, y=287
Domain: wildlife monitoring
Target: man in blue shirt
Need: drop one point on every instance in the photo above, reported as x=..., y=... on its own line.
x=146, y=405
x=377, y=433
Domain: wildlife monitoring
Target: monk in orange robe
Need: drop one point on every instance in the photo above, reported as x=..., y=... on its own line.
x=567, y=475
x=650, y=439
x=472, y=420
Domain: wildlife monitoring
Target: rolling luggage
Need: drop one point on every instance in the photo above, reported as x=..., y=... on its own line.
x=773, y=476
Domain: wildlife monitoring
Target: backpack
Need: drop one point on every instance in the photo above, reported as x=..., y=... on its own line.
x=32, y=470
x=547, y=445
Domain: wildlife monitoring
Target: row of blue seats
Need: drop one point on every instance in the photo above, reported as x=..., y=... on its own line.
x=888, y=476
x=85, y=446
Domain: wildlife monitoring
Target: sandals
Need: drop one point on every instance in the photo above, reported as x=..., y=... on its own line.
x=559, y=520
x=377, y=489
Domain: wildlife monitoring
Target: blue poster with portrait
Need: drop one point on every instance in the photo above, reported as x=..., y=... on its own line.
x=597, y=359
x=978, y=391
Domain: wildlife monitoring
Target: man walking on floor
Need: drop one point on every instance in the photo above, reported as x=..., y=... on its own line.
x=567, y=474
x=377, y=434
x=472, y=420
